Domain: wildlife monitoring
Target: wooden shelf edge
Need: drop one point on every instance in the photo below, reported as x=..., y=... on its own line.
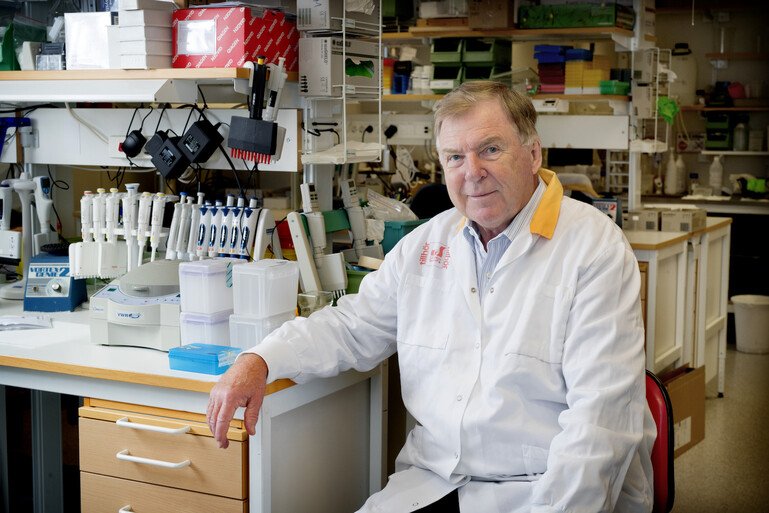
x=589, y=32
x=135, y=74
x=701, y=108
x=581, y=97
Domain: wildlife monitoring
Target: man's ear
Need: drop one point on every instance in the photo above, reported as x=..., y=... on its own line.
x=536, y=156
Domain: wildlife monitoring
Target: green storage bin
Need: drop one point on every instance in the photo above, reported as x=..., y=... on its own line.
x=614, y=87
x=479, y=73
x=396, y=230
x=487, y=52
x=575, y=15
x=447, y=52
x=445, y=78
x=353, y=280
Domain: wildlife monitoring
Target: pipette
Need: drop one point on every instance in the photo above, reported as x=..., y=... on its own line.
x=142, y=223
x=98, y=215
x=248, y=231
x=183, y=237
x=86, y=216
x=156, y=222
x=192, y=238
x=204, y=226
x=173, y=231
x=236, y=218
x=129, y=222
x=224, y=228
x=216, y=224
x=112, y=211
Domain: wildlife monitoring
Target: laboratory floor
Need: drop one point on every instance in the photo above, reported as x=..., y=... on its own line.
x=727, y=472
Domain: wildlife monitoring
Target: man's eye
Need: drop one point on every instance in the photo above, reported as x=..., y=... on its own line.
x=453, y=158
x=491, y=150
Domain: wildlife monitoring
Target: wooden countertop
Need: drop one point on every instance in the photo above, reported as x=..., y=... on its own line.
x=651, y=241
x=67, y=349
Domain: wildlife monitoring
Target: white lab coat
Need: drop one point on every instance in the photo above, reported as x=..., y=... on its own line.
x=532, y=400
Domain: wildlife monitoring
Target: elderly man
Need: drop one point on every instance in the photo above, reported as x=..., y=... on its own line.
x=517, y=321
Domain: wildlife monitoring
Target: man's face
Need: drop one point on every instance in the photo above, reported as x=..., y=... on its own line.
x=490, y=176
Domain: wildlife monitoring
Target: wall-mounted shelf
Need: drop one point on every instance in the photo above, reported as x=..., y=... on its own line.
x=590, y=33
x=737, y=56
x=582, y=97
x=700, y=108
x=175, y=85
x=411, y=97
x=736, y=153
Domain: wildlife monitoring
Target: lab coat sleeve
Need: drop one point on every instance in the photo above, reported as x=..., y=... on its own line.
x=358, y=333
x=603, y=371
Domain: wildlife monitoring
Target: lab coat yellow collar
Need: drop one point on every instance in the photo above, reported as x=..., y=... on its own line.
x=546, y=216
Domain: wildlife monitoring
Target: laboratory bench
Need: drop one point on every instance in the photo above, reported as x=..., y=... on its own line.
x=684, y=296
x=144, y=442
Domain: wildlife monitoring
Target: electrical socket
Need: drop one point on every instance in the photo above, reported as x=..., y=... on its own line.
x=114, y=150
x=412, y=128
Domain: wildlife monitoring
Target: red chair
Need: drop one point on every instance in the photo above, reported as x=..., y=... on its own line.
x=662, y=452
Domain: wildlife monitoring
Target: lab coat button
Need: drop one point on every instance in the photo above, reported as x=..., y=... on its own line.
x=491, y=290
x=477, y=345
x=459, y=397
x=415, y=504
x=456, y=455
x=472, y=290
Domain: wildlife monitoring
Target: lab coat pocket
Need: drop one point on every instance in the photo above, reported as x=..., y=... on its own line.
x=541, y=327
x=423, y=320
x=534, y=459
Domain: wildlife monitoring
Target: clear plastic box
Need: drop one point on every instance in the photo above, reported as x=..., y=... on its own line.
x=205, y=286
x=205, y=328
x=265, y=288
x=246, y=332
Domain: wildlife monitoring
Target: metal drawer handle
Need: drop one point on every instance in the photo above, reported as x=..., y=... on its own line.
x=123, y=455
x=125, y=509
x=124, y=422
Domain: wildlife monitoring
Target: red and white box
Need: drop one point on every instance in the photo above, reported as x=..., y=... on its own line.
x=227, y=37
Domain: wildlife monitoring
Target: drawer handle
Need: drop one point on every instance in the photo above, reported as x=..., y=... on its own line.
x=124, y=422
x=125, y=509
x=123, y=455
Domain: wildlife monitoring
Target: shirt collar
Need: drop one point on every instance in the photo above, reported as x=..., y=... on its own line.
x=546, y=205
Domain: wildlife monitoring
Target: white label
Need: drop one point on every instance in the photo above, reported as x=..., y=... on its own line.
x=682, y=433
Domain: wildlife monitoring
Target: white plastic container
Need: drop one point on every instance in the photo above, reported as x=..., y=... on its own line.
x=751, y=323
x=206, y=285
x=265, y=288
x=199, y=328
x=716, y=175
x=246, y=332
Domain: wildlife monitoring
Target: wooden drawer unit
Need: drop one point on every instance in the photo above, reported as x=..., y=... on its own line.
x=110, y=494
x=148, y=450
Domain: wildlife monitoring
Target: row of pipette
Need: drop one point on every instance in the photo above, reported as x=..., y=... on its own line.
x=205, y=230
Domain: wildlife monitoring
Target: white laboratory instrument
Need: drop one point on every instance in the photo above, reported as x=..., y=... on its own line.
x=139, y=309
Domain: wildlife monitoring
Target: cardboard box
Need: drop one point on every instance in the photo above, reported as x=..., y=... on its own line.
x=87, y=41
x=327, y=15
x=145, y=18
x=686, y=388
x=146, y=47
x=139, y=33
x=485, y=14
x=227, y=37
x=144, y=61
x=643, y=220
x=322, y=70
x=687, y=220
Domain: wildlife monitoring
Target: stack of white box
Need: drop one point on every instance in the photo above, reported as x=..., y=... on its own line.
x=264, y=298
x=145, y=34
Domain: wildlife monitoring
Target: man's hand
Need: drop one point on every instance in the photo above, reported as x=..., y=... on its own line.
x=242, y=385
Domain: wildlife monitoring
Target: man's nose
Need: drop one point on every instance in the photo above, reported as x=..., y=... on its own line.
x=474, y=168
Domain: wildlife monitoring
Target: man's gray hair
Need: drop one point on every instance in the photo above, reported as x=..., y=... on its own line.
x=461, y=100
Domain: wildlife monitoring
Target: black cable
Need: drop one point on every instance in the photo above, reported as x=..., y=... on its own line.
x=234, y=171
x=203, y=97
x=163, y=111
x=61, y=184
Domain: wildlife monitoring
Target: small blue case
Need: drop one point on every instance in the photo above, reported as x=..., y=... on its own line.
x=202, y=358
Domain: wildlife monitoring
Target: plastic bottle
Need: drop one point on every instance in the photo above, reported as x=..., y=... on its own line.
x=740, y=137
x=671, y=186
x=680, y=175
x=694, y=182
x=716, y=175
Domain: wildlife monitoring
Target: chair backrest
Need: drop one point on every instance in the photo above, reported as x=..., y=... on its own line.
x=662, y=452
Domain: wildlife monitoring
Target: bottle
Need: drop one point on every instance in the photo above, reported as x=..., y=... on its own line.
x=694, y=182
x=716, y=175
x=740, y=137
x=680, y=175
x=671, y=187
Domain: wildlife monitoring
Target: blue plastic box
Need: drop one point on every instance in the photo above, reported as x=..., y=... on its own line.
x=396, y=230
x=202, y=358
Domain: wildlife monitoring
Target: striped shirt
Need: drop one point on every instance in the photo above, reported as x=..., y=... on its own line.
x=486, y=261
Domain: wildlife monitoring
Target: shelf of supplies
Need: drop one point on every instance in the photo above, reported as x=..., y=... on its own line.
x=582, y=97
x=737, y=56
x=515, y=34
x=175, y=85
x=736, y=153
x=411, y=97
x=700, y=108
